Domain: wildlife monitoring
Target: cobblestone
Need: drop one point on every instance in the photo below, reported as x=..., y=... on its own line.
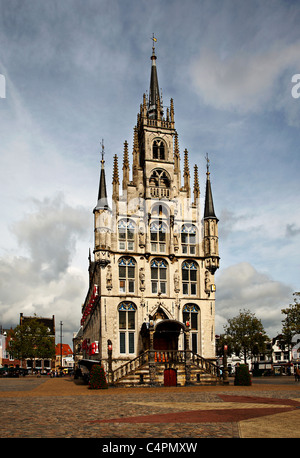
x=60, y=408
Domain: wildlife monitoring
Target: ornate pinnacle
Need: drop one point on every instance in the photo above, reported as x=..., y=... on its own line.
x=186, y=170
x=196, y=183
x=125, y=158
x=116, y=170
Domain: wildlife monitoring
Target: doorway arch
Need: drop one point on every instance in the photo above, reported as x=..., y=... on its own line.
x=166, y=334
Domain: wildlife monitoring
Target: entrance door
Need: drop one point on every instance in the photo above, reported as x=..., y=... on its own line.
x=170, y=377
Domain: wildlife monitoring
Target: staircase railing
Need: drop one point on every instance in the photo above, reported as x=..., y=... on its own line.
x=165, y=356
x=205, y=364
x=169, y=356
x=130, y=367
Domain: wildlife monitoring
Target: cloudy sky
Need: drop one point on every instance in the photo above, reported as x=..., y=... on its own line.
x=75, y=72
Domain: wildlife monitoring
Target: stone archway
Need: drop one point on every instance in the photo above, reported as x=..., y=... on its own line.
x=166, y=334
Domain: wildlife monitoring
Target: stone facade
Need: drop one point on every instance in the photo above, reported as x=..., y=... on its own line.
x=155, y=252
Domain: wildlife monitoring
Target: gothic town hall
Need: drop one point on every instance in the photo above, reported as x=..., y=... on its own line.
x=149, y=313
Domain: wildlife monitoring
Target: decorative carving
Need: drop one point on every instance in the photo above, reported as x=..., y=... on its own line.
x=207, y=282
x=109, y=278
x=176, y=281
x=142, y=237
x=142, y=278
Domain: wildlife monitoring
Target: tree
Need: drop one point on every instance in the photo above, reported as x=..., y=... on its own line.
x=31, y=340
x=291, y=323
x=246, y=334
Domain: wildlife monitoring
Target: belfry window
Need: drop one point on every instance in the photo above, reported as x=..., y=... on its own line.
x=158, y=150
x=126, y=230
x=188, y=239
x=158, y=232
x=127, y=312
x=159, y=276
x=126, y=275
x=159, y=183
x=189, y=278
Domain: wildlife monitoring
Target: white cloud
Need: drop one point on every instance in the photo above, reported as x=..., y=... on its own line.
x=244, y=81
x=49, y=234
x=43, y=280
x=241, y=286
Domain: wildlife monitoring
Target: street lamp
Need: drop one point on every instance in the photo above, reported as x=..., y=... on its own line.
x=225, y=376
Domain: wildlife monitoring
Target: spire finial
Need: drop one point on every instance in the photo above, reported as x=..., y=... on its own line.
x=154, y=40
x=207, y=165
x=102, y=153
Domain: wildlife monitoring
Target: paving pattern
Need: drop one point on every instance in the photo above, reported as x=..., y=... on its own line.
x=61, y=408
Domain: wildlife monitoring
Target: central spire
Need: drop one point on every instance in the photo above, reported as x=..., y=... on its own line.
x=154, y=97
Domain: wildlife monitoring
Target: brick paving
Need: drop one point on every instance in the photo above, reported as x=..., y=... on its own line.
x=60, y=408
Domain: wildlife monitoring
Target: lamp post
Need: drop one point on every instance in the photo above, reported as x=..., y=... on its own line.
x=225, y=376
x=61, y=362
x=109, y=360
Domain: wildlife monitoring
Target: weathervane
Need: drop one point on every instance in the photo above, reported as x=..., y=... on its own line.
x=153, y=39
x=207, y=164
x=102, y=152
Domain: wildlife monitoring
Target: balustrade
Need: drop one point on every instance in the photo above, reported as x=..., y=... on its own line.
x=165, y=357
x=159, y=192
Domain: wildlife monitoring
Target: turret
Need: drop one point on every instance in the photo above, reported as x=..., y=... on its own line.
x=211, y=240
x=102, y=220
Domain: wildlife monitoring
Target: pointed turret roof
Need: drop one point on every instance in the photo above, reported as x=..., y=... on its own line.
x=102, y=193
x=209, y=211
x=154, y=97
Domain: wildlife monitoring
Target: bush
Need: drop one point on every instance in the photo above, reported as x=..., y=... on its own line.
x=98, y=379
x=242, y=376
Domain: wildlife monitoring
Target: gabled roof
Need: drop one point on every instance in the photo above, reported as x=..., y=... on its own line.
x=66, y=350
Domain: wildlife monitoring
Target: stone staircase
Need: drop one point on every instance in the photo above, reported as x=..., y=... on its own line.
x=148, y=369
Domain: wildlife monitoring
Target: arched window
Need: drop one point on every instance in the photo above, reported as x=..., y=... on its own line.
x=126, y=275
x=159, y=183
x=159, y=276
x=158, y=237
x=189, y=278
x=127, y=320
x=160, y=211
x=126, y=230
x=188, y=239
x=158, y=150
x=190, y=313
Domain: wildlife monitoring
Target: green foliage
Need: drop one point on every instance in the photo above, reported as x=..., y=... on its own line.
x=32, y=339
x=98, y=379
x=242, y=376
x=246, y=334
x=291, y=323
